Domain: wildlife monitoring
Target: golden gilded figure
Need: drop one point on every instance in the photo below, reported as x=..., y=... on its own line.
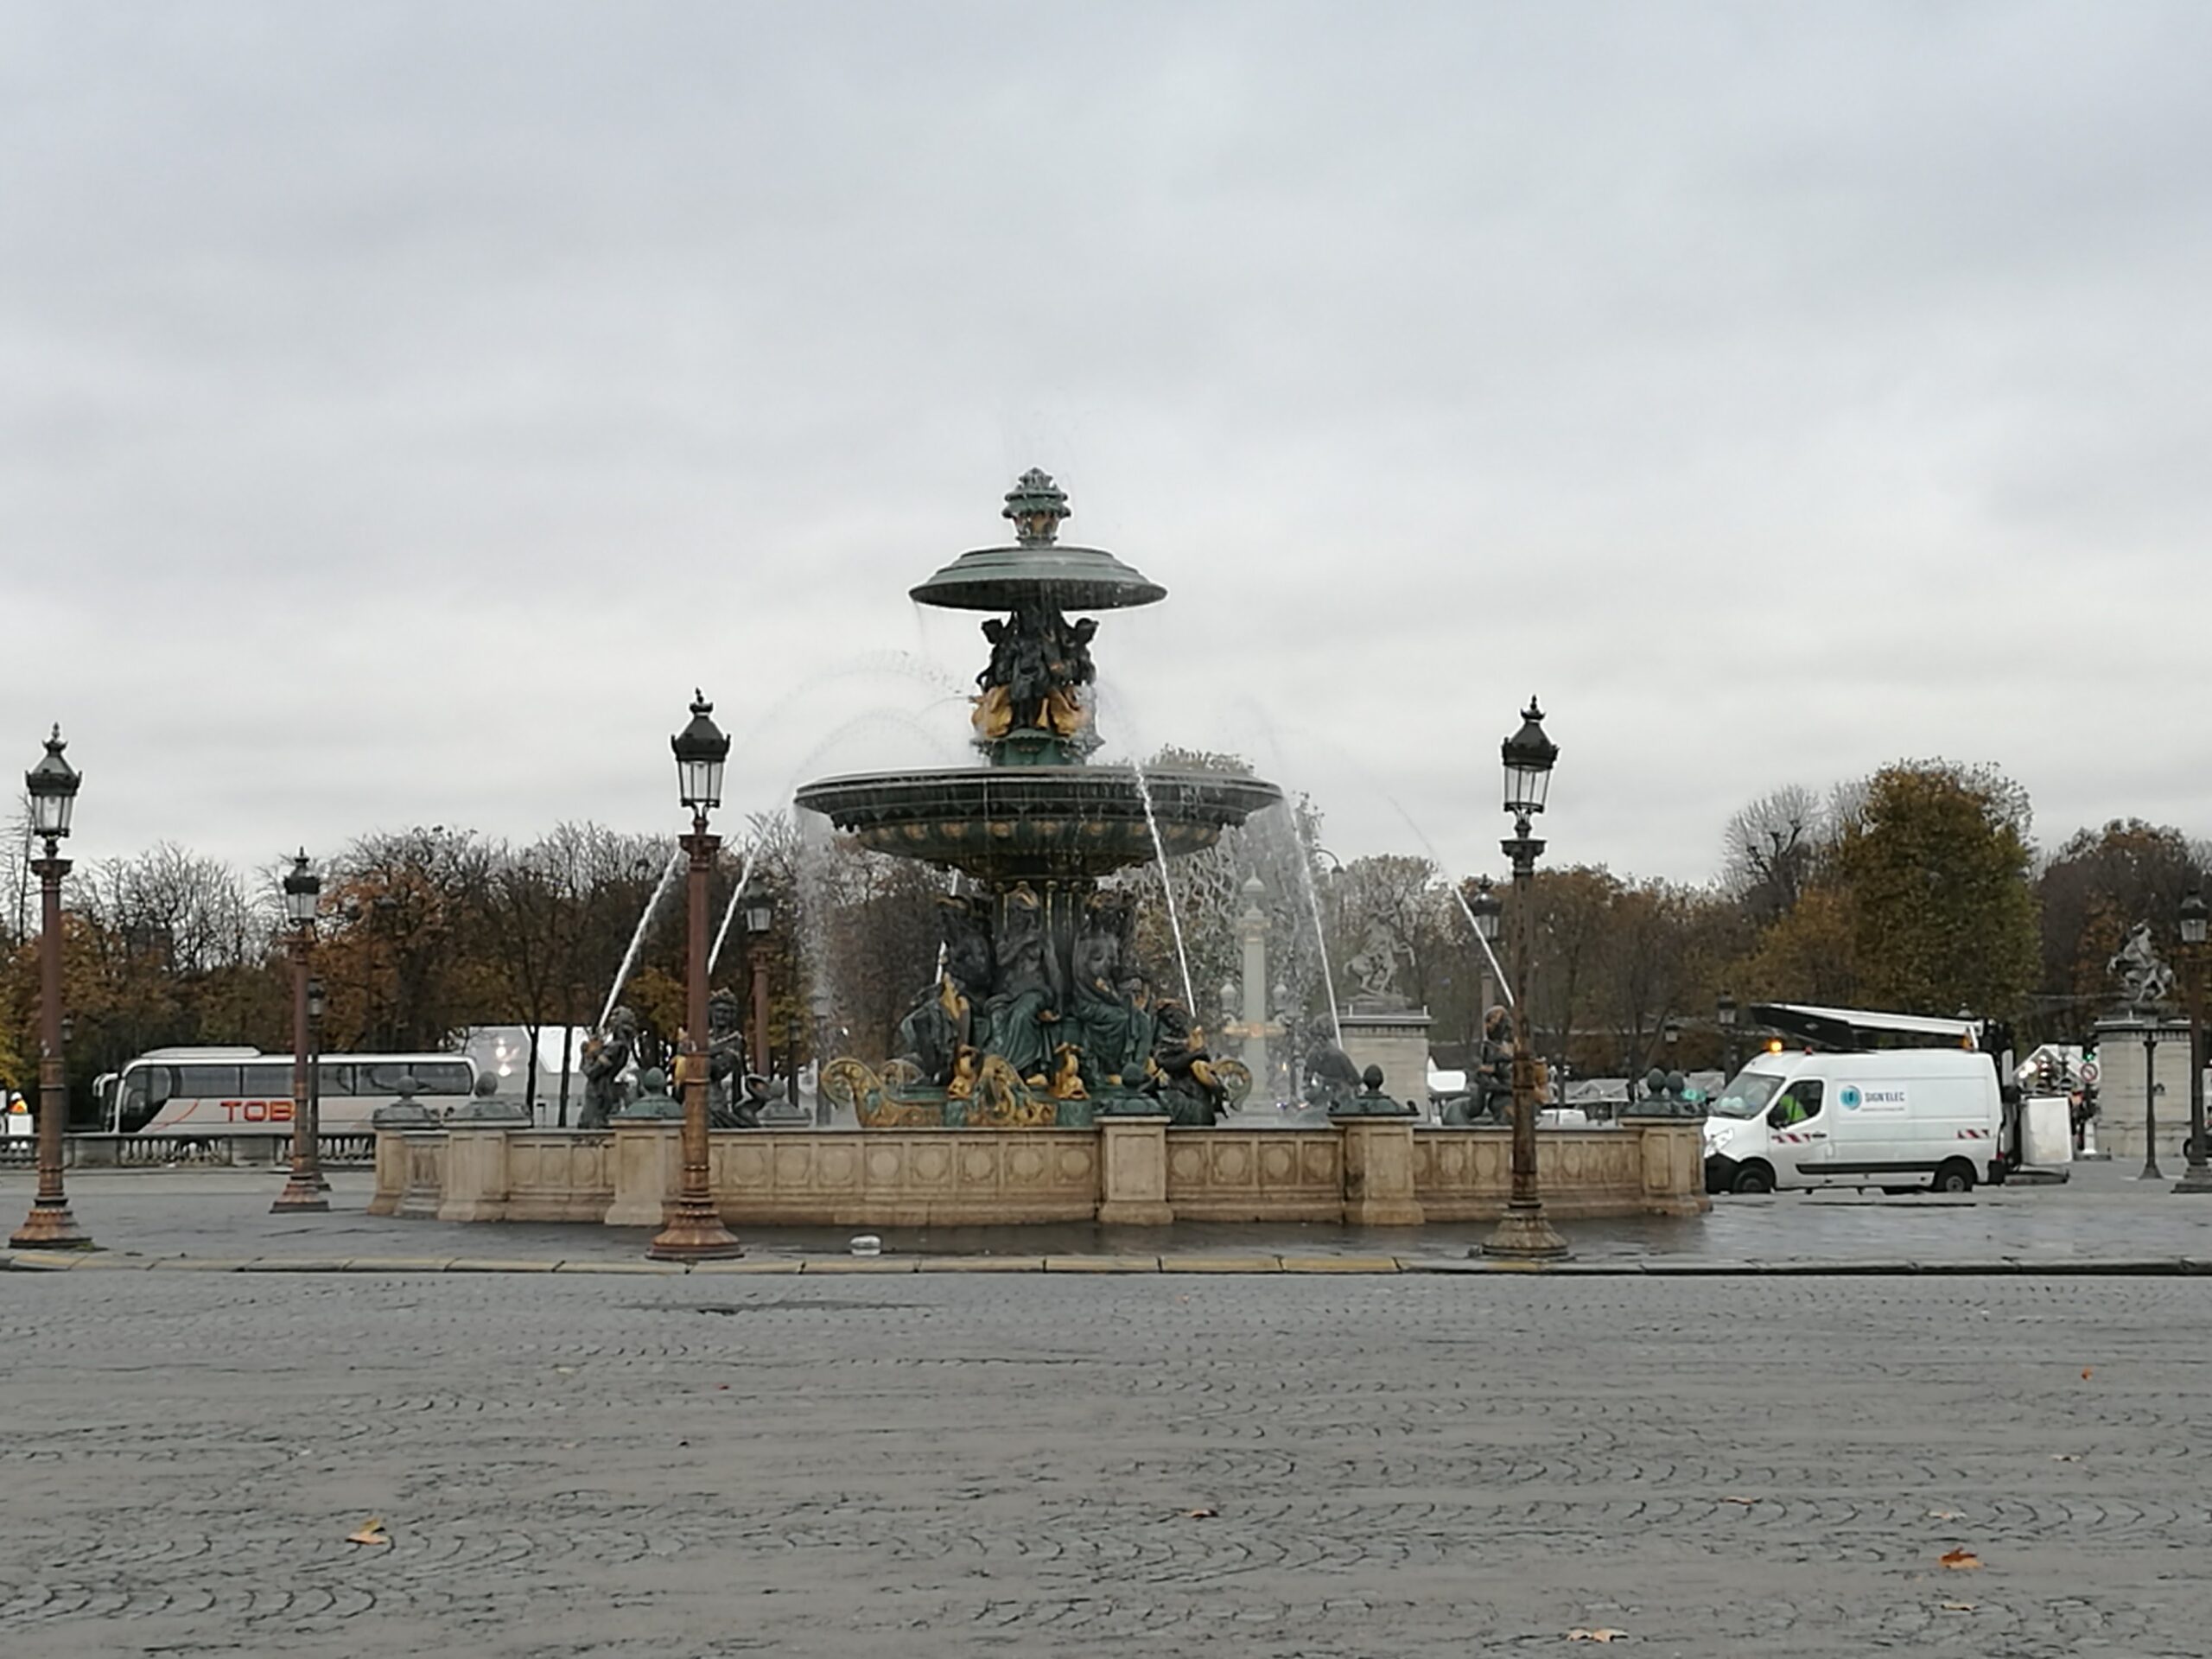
x=1067, y=1074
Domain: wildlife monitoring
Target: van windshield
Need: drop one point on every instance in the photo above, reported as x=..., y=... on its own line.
x=1746, y=1096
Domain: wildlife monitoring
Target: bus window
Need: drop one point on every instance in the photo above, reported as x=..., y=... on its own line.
x=382, y=1078
x=334, y=1080
x=146, y=1087
x=442, y=1078
x=267, y=1082
x=207, y=1082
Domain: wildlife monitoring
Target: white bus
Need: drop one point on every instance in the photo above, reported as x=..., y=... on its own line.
x=194, y=1092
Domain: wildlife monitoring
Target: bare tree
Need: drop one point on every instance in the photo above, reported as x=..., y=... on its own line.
x=1770, y=848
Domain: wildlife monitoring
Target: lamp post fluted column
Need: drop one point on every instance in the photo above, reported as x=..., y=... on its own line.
x=692, y=1228
x=305, y=1188
x=2150, y=1170
x=1525, y=1233
x=2197, y=1177
x=53, y=787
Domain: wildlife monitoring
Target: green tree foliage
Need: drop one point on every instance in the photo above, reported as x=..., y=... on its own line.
x=1932, y=865
x=2100, y=883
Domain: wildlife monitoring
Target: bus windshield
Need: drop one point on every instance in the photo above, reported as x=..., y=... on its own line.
x=1746, y=1096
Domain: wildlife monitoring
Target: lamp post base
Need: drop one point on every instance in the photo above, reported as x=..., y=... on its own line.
x=49, y=1227
x=2197, y=1177
x=693, y=1231
x=1523, y=1235
x=302, y=1193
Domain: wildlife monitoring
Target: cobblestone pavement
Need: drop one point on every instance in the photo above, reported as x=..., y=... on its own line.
x=1009, y=1463
x=2103, y=1213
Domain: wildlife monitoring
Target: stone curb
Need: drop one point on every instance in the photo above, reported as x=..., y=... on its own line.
x=1656, y=1267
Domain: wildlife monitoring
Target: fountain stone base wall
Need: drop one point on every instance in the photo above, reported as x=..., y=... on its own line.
x=1135, y=1172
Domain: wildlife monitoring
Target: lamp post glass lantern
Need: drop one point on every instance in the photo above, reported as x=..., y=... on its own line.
x=701, y=752
x=305, y=1187
x=1487, y=908
x=1529, y=756
x=2197, y=1177
x=692, y=1228
x=1525, y=1234
x=52, y=786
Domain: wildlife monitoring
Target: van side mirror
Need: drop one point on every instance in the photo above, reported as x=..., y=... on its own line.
x=1774, y=1118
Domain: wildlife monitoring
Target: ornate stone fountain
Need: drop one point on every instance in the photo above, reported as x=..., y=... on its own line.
x=1041, y=1014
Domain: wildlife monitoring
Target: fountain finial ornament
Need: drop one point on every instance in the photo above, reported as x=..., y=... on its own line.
x=1036, y=505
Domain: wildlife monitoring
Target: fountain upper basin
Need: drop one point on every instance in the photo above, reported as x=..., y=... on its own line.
x=1011, y=822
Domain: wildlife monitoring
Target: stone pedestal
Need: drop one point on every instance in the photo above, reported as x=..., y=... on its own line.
x=391, y=1172
x=1379, y=1172
x=1392, y=1034
x=1670, y=1162
x=2122, y=1077
x=1133, y=1173
x=476, y=1171
x=648, y=1157
x=422, y=1188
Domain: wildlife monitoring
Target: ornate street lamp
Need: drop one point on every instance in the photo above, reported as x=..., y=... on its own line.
x=760, y=922
x=53, y=785
x=1487, y=910
x=1525, y=1234
x=305, y=1188
x=692, y=1228
x=1724, y=1012
x=2197, y=1177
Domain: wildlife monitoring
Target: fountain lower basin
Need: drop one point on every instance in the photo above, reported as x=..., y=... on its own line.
x=1003, y=823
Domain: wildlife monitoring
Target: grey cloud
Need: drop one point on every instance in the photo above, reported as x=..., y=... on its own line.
x=1778, y=391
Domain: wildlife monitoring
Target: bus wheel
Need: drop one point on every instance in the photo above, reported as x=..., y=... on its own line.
x=1957, y=1176
x=1754, y=1178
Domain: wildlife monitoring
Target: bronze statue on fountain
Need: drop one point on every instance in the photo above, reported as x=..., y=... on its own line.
x=1041, y=1011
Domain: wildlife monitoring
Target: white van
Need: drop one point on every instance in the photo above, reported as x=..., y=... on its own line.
x=1893, y=1118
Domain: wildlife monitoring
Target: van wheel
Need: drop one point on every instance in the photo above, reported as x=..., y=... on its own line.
x=1754, y=1178
x=1957, y=1176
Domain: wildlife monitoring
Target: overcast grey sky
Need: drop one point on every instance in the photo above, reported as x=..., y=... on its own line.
x=401, y=406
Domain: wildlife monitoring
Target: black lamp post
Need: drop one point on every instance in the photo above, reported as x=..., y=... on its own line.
x=52, y=784
x=1488, y=910
x=1725, y=1011
x=1528, y=755
x=692, y=1229
x=2197, y=1177
x=760, y=922
x=304, y=1190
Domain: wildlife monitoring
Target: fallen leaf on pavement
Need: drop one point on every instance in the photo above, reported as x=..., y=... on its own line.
x=372, y=1532
x=1604, y=1633
x=1201, y=1515
x=1960, y=1560
x=1958, y=1606
x=1943, y=1515
x=2086, y=1370
x=2066, y=1456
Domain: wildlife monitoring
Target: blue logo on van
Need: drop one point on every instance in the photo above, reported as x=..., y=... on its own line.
x=1849, y=1096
